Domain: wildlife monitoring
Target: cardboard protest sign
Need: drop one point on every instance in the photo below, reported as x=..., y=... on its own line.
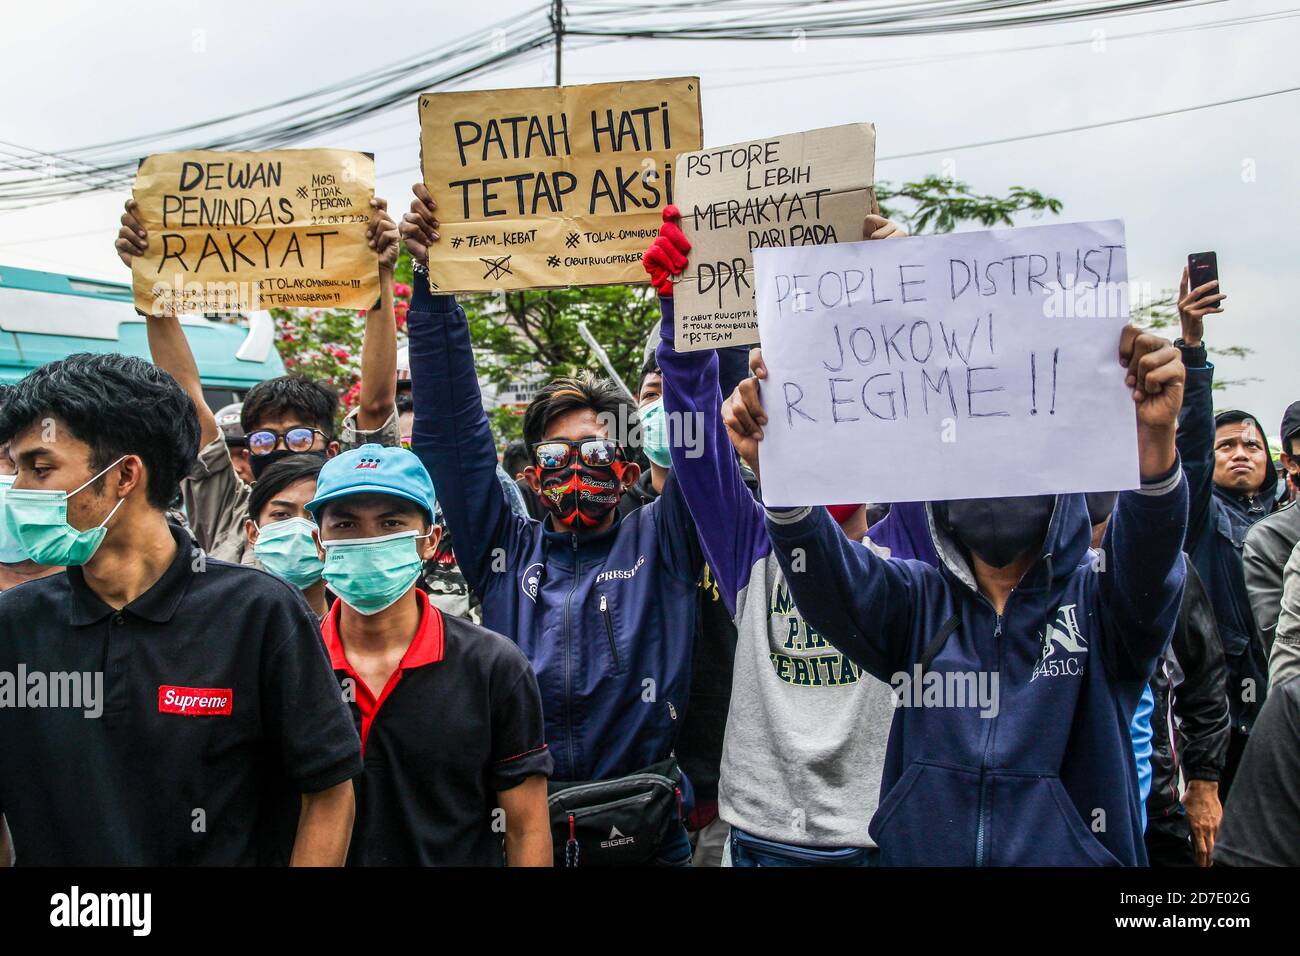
x=242, y=231
x=798, y=189
x=972, y=365
x=552, y=186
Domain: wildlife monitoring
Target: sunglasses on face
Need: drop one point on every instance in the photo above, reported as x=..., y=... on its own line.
x=557, y=453
x=295, y=439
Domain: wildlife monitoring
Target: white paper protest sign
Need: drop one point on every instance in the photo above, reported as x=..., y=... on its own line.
x=971, y=365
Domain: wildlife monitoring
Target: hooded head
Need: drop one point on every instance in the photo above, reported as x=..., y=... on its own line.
x=1243, y=462
x=1000, y=531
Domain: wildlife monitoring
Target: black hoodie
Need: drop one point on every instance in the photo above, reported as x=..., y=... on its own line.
x=1264, y=501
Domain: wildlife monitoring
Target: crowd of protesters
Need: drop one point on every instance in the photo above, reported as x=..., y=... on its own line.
x=253, y=637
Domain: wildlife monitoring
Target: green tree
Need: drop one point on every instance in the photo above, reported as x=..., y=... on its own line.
x=325, y=345
x=938, y=205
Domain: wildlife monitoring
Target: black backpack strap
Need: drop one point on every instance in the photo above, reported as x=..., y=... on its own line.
x=940, y=638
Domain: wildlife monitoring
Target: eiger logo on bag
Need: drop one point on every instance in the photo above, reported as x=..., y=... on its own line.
x=616, y=839
x=196, y=701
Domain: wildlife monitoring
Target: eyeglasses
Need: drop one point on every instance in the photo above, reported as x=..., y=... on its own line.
x=295, y=439
x=556, y=453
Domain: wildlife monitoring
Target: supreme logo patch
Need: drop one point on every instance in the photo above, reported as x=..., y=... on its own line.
x=195, y=701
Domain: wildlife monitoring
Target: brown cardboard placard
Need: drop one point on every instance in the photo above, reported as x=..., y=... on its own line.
x=242, y=231
x=552, y=186
x=809, y=188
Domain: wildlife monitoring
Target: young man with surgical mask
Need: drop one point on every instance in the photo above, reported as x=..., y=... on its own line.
x=653, y=444
x=15, y=566
x=15, y=569
x=283, y=532
x=448, y=713
x=806, y=729
x=1049, y=776
x=196, y=721
x=603, y=606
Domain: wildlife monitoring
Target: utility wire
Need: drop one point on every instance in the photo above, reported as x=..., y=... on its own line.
x=88, y=169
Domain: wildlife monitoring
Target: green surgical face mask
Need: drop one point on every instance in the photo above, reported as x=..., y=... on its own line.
x=38, y=519
x=11, y=549
x=654, y=433
x=370, y=574
x=286, y=549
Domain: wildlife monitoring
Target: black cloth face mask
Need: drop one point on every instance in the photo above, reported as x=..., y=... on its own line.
x=259, y=463
x=1100, y=505
x=998, y=530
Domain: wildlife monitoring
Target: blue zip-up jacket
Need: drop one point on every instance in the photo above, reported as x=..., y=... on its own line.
x=1217, y=522
x=607, y=621
x=1050, y=778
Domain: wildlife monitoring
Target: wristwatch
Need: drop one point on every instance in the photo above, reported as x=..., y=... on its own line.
x=1194, y=352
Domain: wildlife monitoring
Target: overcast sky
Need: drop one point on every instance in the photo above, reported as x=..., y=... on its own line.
x=1222, y=178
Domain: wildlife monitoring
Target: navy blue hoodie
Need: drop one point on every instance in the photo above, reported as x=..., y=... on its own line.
x=1049, y=780
x=607, y=621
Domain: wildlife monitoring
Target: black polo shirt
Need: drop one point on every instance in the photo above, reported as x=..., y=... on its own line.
x=218, y=711
x=459, y=721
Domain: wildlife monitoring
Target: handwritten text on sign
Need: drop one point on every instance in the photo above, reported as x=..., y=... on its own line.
x=241, y=231
x=962, y=366
x=552, y=186
x=793, y=190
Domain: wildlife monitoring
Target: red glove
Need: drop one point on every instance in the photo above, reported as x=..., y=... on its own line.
x=666, y=256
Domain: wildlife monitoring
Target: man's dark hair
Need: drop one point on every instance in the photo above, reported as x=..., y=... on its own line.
x=567, y=394
x=290, y=396
x=651, y=366
x=404, y=401
x=279, y=476
x=515, y=458
x=118, y=405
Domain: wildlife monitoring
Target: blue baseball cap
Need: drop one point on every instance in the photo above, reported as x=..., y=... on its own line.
x=375, y=469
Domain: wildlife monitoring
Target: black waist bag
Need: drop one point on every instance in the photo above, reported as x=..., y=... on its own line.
x=619, y=822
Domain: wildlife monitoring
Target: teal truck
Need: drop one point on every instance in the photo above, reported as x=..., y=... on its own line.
x=46, y=316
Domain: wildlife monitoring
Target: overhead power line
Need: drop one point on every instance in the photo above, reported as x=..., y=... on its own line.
x=34, y=177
